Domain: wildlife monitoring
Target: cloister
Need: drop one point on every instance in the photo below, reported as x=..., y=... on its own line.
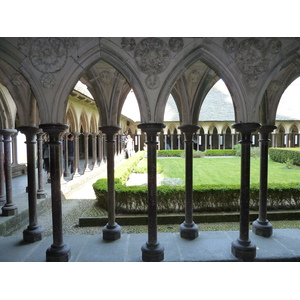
x=38, y=78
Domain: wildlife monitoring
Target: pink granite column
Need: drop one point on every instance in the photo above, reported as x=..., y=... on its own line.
x=111, y=231
x=33, y=232
x=243, y=248
x=9, y=209
x=152, y=251
x=59, y=251
x=188, y=229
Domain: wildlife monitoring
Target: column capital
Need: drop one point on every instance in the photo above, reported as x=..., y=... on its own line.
x=54, y=131
x=29, y=130
x=267, y=128
x=246, y=128
x=8, y=132
x=109, y=129
x=189, y=128
x=151, y=128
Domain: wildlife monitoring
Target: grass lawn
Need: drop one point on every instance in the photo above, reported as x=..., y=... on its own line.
x=226, y=170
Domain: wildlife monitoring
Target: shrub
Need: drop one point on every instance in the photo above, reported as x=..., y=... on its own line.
x=281, y=155
x=169, y=153
x=221, y=152
x=237, y=149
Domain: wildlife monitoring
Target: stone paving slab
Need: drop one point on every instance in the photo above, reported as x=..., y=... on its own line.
x=210, y=246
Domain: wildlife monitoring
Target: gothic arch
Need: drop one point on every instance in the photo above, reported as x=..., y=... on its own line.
x=84, y=121
x=210, y=58
x=71, y=119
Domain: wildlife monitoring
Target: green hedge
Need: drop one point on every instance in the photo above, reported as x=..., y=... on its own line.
x=170, y=153
x=282, y=155
x=223, y=152
x=206, y=198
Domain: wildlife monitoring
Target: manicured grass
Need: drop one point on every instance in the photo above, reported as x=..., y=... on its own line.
x=226, y=170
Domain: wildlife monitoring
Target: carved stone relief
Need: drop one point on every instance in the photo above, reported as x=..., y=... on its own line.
x=252, y=56
x=152, y=55
x=152, y=82
x=128, y=44
x=48, y=55
x=176, y=44
x=105, y=77
x=194, y=76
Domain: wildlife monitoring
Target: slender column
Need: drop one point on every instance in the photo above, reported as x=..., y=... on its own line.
x=2, y=177
x=14, y=149
x=67, y=172
x=261, y=226
x=178, y=141
x=34, y=232
x=41, y=193
x=188, y=229
x=111, y=231
x=76, y=154
x=9, y=209
x=100, y=151
x=86, y=151
x=243, y=248
x=59, y=251
x=152, y=251
x=94, y=149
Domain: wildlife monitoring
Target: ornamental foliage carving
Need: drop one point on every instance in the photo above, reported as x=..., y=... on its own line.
x=252, y=56
x=48, y=55
x=152, y=55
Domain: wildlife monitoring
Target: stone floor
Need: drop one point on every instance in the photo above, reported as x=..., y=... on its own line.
x=210, y=246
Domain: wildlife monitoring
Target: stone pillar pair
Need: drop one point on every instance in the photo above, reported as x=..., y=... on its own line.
x=242, y=248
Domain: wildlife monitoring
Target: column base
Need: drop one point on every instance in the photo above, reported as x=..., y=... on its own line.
x=243, y=250
x=58, y=253
x=189, y=231
x=10, y=210
x=152, y=253
x=262, y=228
x=111, y=232
x=31, y=235
x=2, y=201
x=41, y=194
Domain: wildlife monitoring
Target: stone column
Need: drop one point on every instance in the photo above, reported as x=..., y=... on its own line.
x=2, y=177
x=243, y=248
x=34, y=232
x=94, y=149
x=188, y=229
x=41, y=193
x=100, y=150
x=14, y=149
x=59, y=251
x=67, y=172
x=111, y=231
x=152, y=251
x=76, y=154
x=86, y=151
x=9, y=209
x=261, y=226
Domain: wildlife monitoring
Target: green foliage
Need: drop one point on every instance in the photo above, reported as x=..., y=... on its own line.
x=196, y=154
x=289, y=163
x=282, y=155
x=206, y=197
x=170, y=153
x=221, y=152
x=255, y=152
x=237, y=149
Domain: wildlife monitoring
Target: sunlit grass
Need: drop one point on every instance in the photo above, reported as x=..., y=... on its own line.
x=226, y=170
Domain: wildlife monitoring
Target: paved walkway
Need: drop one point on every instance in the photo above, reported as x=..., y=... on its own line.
x=284, y=245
